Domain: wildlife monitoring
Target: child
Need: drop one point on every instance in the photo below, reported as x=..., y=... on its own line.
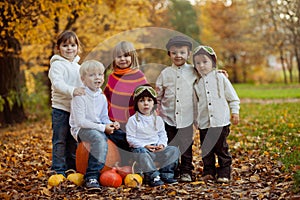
x=66, y=83
x=174, y=86
x=147, y=136
x=90, y=122
x=216, y=97
x=125, y=77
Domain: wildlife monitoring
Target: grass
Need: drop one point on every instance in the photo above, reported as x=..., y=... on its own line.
x=268, y=91
x=273, y=129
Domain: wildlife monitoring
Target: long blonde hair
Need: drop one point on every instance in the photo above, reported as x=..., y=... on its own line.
x=125, y=47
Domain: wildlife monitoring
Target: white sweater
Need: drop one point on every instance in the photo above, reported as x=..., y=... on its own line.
x=64, y=77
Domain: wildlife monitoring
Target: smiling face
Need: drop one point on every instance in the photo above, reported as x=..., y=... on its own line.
x=145, y=105
x=179, y=54
x=203, y=64
x=123, y=61
x=68, y=49
x=93, y=78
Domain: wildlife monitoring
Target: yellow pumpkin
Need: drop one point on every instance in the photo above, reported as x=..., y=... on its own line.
x=133, y=180
x=76, y=178
x=56, y=179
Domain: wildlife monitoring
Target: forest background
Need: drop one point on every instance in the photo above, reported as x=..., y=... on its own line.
x=257, y=43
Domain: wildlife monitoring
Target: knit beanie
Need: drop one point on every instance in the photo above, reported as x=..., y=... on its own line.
x=180, y=41
x=144, y=91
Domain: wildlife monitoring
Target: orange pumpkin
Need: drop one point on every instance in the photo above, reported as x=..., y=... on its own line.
x=82, y=156
x=111, y=178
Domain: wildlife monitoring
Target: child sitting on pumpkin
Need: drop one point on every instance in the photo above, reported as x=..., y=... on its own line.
x=145, y=133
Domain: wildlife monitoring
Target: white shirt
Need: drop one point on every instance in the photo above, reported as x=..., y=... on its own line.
x=64, y=77
x=142, y=132
x=89, y=111
x=174, y=88
x=215, y=100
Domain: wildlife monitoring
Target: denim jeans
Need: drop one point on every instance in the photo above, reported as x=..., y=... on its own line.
x=119, y=138
x=182, y=138
x=213, y=142
x=166, y=159
x=98, y=151
x=63, y=144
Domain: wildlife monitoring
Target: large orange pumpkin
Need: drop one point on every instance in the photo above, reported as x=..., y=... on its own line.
x=82, y=156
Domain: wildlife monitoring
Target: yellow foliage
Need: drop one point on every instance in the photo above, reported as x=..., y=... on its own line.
x=30, y=82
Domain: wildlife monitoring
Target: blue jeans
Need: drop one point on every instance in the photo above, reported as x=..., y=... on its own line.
x=98, y=151
x=166, y=159
x=63, y=144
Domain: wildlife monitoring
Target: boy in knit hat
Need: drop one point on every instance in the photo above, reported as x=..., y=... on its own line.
x=146, y=135
x=216, y=97
x=174, y=87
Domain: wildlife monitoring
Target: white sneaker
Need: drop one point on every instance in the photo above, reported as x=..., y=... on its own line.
x=223, y=180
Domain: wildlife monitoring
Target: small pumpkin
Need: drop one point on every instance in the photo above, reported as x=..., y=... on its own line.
x=76, y=178
x=56, y=179
x=133, y=180
x=111, y=178
x=123, y=171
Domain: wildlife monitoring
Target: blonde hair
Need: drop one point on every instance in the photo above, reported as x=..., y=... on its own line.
x=68, y=36
x=125, y=47
x=90, y=65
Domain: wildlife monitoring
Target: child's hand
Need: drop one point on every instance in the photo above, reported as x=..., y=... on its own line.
x=109, y=129
x=224, y=72
x=79, y=91
x=159, y=147
x=116, y=125
x=235, y=118
x=151, y=148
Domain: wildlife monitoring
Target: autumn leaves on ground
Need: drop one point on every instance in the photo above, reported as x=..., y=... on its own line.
x=265, y=150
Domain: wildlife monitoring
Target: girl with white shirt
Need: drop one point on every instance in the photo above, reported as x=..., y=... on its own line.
x=216, y=97
x=146, y=135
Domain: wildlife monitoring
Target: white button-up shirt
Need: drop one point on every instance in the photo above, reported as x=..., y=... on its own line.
x=174, y=87
x=216, y=97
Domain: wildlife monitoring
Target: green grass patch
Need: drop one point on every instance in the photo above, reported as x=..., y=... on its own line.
x=273, y=129
x=268, y=91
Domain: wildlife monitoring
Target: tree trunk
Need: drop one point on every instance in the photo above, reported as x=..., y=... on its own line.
x=282, y=64
x=12, y=80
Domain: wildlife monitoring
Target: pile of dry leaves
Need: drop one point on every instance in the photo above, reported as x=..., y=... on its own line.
x=26, y=159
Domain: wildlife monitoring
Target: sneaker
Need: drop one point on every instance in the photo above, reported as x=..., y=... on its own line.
x=185, y=178
x=170, y=180
x=156, y=182
x=222, y=180
x=92, y=184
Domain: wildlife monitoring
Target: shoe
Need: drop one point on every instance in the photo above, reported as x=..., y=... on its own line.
x=185, y=178
x=156, y=182
x=208, y=177
x=170, y=180
x=222, y=180
x=92, y=184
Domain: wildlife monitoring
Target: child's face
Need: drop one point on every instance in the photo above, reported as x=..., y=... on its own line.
x=179, y=54
x=123, y=61
x=93, y=79
x=145, y=105
x=68, y=49
x=203, y=64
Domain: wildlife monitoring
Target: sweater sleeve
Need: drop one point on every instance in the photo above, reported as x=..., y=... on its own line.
x=56, y=76
x=231, y=96
x=162, y=134
x=131, y=132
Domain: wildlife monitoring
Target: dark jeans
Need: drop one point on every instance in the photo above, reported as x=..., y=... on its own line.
x=213, y=142
x=183, y=139
x=147, y=162
x=119, y=138
x=63, y=144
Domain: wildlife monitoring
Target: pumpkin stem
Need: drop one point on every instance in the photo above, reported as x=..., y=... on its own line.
x=132, y=168
x=117, y=164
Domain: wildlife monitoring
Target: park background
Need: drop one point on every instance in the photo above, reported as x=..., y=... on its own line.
x=257, y=43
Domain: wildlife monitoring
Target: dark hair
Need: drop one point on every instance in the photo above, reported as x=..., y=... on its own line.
x=145, y=93
x=66, y=36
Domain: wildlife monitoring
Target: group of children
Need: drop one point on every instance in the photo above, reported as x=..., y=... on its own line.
x=156, y=125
